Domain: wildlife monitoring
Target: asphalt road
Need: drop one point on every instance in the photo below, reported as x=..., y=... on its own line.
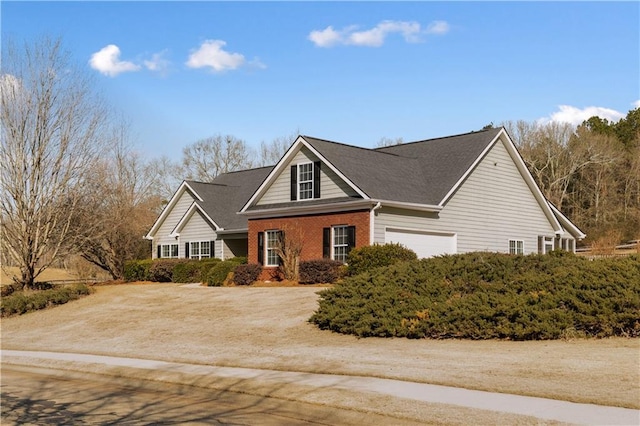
x=49, y=397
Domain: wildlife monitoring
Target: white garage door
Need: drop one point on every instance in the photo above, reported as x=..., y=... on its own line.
x=425, y=244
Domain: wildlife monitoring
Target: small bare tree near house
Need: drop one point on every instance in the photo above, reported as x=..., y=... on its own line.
x=289, y=248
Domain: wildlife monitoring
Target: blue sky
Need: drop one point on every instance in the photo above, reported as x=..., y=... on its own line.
x=352, y=72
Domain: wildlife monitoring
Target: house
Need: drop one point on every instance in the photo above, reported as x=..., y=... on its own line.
x=200, y=219
x=469, y=192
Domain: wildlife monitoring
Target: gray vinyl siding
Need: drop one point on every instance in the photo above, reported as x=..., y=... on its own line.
x=331, y=185
x=494, y=205
x=198, y=228
x=162, y=234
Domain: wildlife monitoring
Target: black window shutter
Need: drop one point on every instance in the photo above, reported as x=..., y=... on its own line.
x=261, y=248
x=186, y=250
x=540, y=244
x=159, y=251
x=351, y=237
x=316, y=179
x=294, y=183
x=326, y=243
x=212, y=246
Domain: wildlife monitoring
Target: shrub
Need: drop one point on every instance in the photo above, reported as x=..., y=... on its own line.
x=240, y=260
x=189, y=271
x=320, y=271
x=20, y=302
x=205, y=267
x=246, y=274
x=366, y=258
x=137, y=270
x=219, y=273
x=487, y=296
x=162, y=269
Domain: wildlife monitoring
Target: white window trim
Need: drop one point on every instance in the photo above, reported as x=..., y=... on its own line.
x=169, y=250
x=200, y=256
x=547, y=241
x=333, y=241
x=516, y=241
x=267, y=248
x=300, y=181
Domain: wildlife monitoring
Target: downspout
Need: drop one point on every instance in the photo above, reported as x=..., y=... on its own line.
x=372, y=222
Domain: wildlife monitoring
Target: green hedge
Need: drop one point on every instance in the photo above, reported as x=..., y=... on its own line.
x=219, y=273
x=137, y=270
x=486, y=296
x=20, y=302
x=366, y=258
x=169, y=270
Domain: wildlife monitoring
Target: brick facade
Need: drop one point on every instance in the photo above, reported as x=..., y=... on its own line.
x=312, y=226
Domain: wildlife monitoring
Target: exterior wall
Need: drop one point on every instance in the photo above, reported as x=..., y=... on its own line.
x=198, y=228
x=170, y=222
x=491, y=207
x=234, y=248
x=331, y=186
x=312, y=226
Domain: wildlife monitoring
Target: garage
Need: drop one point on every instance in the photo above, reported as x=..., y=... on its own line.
x=425, y=244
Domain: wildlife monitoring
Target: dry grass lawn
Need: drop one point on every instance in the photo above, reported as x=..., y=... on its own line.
x=268, y=328
x=49, y=274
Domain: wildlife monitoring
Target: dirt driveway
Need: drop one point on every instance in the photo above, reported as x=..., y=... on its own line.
x=268, y=328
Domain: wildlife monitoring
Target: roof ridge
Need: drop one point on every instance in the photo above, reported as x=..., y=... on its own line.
x=349, y=145
x=439, y=138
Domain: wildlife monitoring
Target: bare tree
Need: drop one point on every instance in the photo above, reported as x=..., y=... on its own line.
x=121, y=204
x=207, y=158
x=289, y=247
x=385, y=141
x=272, y=152
x=51, y=138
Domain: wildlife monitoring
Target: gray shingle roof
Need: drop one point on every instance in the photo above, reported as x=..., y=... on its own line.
x=418, y=172
x=227, y=193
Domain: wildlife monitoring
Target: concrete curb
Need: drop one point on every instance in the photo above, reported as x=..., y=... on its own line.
x=541, y=408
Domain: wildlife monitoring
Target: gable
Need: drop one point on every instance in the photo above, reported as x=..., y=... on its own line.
x=332, y=186
x=173, y=212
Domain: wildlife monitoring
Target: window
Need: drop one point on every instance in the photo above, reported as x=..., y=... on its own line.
x=516, y=247
x=338, y=241
x=199, y=249
x=545, y=244
x=273, y=239
x=305, y=181
x=168, y=251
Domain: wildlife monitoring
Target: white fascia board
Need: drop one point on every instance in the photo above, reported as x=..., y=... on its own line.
x=503, y=136
x=570, y=226
x=335, y=170
x=185, y=218
x=285, y=160
x=530, y=181
x=291, y=152
x=313, y=209
x=410, y=206
x=469, y=170
x=184, y=186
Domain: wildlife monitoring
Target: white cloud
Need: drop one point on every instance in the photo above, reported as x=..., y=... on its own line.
x=157, y=63
x=211, y=54
x=325, y=38
x=575, y=116
x=375, y=37
x=636, y=104
x=438, y=27
x=107, y=61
